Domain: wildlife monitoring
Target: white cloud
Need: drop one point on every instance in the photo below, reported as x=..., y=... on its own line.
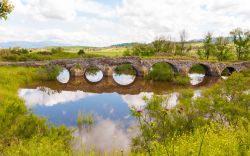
x=48, y=97
x=112, y=137
x=88, y=22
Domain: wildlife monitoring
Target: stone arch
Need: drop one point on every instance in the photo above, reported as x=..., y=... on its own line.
x=230, y=70
x=208, y=71
x=96, y=77
x=137, y=70
x=175, y=69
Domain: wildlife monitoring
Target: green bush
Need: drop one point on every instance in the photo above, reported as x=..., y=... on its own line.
x=161, y=72
x=81, y=52
x=92, y=70
x=197, y=69
x=217, y=123
x=53, y=71
x=57, y=50
x=182, y=80
x=125, y=69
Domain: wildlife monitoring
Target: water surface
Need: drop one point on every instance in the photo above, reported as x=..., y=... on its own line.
x=109, y=100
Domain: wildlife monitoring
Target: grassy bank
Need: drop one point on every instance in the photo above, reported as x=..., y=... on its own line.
x=21, y=132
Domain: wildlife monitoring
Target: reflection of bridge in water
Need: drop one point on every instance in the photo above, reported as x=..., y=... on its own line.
x=108, y=85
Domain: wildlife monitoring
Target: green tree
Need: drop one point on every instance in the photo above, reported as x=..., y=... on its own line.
x=208, y=45
x=241, y=41
x=5, y=9
x=164, y=45
x=222, y=48
x=182, y=48
x=142, y=50
x=81, y=52
x=57, y=50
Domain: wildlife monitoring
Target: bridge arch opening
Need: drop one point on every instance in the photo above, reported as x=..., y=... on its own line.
x=200, y=69
x=162, y=71
x=124, y=74
x=227, y=72
x=63, y=76
x=174, y=69
x=197, y=73
x=93, y=74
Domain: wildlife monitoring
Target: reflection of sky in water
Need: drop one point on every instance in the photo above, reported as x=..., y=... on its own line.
x=64, y=76
x=111, y=112
x=124, y=79
x=63, y=107
x=196, y=78
x=94, y=77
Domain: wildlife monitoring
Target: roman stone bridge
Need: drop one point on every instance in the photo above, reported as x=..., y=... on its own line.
x=77, y=67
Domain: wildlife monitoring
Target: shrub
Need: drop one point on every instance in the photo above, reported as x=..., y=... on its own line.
x=50, y=73
x=81, y=52
x=57, y=50
x=197, y=69
x=125, y=69
x=161, y=72
x=182, y=80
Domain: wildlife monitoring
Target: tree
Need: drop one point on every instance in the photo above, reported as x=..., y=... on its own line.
x=57, y=50
x=183, y=38
x=163, y=44
x=5, y=9
x=81, y=52
x=241, y=41
x=208, y=47
x=222, y=48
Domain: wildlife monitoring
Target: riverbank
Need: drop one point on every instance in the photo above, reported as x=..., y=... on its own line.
x=22, y=133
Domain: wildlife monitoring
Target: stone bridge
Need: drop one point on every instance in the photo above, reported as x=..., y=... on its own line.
x=77, y=67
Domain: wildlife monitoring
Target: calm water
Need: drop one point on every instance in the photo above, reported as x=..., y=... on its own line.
x=108, y=99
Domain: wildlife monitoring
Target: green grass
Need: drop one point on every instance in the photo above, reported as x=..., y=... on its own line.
x=21, y=132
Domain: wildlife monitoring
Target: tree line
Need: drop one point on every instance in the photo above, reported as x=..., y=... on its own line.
x=222, y=47
x=237, y=45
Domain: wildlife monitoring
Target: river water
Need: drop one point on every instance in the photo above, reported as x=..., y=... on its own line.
x=108, y=100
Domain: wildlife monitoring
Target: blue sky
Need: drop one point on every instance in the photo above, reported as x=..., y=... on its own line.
x=110, y=2
x=107, y=22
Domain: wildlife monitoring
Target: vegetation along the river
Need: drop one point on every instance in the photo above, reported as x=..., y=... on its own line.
x=216, y=123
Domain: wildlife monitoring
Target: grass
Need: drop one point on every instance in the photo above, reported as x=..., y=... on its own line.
x=21, y=132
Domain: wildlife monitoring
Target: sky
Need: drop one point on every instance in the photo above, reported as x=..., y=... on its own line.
x=108, y=22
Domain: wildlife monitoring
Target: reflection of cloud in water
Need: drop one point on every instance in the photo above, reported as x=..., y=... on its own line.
x=106, y=136
x=94, y=77
x=197, y=93
x=33, y=97
x=136, y=100
x=124, y=79
x=196, y=78
x=64, y=76
x=172, y=100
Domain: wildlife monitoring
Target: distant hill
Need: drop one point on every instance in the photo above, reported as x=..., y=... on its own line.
x=26, y=44
x=123, y=45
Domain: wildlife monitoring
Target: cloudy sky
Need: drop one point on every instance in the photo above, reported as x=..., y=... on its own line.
x=107, y=22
